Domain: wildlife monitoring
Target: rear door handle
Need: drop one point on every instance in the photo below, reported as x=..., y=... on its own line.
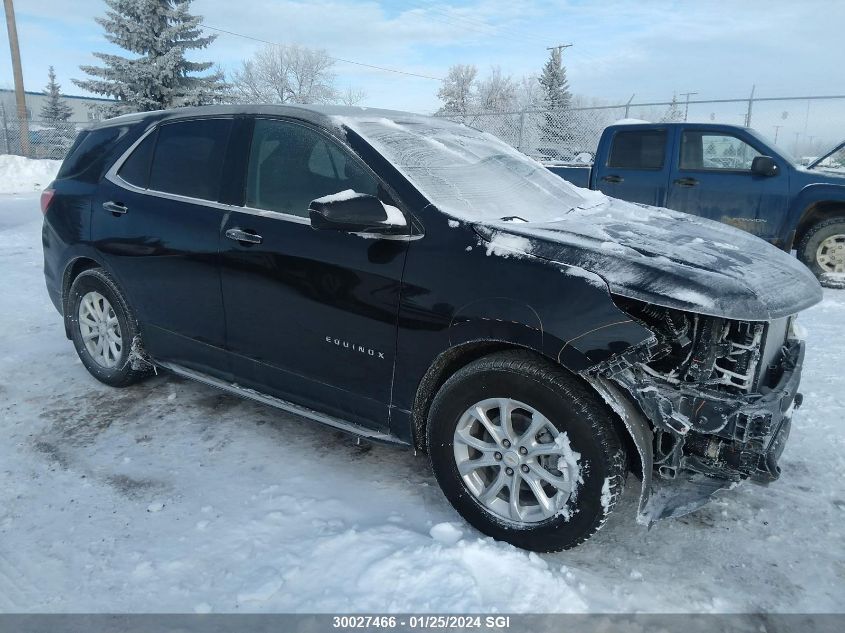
x=613, y=179
x=115, y=207
x=686, y=182
x=239, y=235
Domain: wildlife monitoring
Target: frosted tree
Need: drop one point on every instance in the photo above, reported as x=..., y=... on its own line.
x=286, y=74
x=496, y=92
x=352, y=96
x=556, y=99
x=673, y=112
x=158, y=33
x=529, y=93
x=457, y=92
x=56, y=113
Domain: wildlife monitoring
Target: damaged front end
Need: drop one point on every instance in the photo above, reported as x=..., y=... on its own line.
x=718, y=394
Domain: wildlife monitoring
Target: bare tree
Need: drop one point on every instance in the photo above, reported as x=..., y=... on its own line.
x=496, y=92
x=458, y=91
x=286, y=74
x=352, y=96
x=529, y=93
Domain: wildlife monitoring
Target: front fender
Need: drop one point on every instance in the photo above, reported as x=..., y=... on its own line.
x=640, y=431
x=807, y=198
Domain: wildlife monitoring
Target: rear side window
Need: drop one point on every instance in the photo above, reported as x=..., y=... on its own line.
x=87, y=159
x=188, y=158
x=638, y=149
x=136, y=168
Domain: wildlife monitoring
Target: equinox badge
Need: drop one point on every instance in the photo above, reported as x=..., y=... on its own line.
x=367, y=351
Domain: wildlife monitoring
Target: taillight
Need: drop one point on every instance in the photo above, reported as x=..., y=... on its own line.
x=47, y=198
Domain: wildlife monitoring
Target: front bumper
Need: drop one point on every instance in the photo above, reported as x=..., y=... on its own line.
x=755, y=431
x=696, y=442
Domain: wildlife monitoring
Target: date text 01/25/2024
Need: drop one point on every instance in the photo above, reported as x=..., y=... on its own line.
x=421, y=622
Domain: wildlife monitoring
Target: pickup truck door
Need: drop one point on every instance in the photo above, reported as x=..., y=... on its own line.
x=636, y=167
x=311, y=315
x=711, y=177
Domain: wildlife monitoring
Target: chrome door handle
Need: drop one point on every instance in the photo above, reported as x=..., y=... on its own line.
x=115, y=207
x=240, y=235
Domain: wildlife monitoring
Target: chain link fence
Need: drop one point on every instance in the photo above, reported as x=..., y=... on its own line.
x=45, y=139
x=803, y=127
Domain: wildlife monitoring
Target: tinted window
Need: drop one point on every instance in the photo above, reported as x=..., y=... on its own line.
x=290, y=165
x=88, y=157
x=189, y=157
x=136, y=168
x=703, y=150
x=637, y=149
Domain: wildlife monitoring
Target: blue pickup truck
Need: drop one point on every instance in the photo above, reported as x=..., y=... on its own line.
x=730, y=174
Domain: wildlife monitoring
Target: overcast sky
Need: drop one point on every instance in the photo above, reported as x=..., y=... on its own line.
x=653, y=49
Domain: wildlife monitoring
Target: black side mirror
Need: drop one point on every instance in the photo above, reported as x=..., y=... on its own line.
x=764, y=166
x=354, y=213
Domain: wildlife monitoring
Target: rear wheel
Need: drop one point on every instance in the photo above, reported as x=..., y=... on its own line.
x=525, y=452
x=103, y=328
x=822, y=249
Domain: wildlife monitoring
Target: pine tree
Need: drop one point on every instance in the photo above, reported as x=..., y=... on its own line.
x=556, y=98
x=674, y=112
x=159, y=33
x=56, y=113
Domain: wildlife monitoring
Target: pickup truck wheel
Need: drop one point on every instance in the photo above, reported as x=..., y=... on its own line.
x=103, y=328
x=525, y=452
x=822, y=249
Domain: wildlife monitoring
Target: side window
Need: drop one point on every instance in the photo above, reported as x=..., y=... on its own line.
x=189, y=157
x=638, y=149
x=87, y=158
x=290, y=165
x=703, y=150
x=136, y=169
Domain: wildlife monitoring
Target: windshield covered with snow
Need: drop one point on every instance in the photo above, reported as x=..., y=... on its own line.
x=470, y=174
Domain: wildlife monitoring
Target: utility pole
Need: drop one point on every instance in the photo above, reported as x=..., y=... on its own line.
x=686, y=107
x=628, y=105
x=777, y=129
x=560, y=48
x=20, y=96
x=750, y=103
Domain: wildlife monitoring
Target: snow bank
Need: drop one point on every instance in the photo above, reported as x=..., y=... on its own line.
x=20, y=175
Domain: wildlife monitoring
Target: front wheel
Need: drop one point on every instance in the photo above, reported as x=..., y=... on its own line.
x=822, y=249
x=525, y=452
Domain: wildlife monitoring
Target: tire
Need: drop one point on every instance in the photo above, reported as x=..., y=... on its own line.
x=535, y=386
x=96, y=289
x=823, y=239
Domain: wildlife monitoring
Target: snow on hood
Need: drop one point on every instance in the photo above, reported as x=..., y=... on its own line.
x=673, y=259
x=647, y=253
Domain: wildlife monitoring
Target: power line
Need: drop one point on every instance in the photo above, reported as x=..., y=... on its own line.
x=489, y=29
x=337, y=59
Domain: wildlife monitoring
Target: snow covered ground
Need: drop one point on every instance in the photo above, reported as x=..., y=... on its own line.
x=18, y=173
x=171, y=496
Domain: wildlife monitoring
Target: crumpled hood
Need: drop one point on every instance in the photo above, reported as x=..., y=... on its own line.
x=668, y=258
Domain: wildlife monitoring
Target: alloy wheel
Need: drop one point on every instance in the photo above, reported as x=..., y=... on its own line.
x=100, y=329
x=514, y=461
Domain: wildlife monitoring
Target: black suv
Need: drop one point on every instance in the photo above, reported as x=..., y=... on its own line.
x=415, y=281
